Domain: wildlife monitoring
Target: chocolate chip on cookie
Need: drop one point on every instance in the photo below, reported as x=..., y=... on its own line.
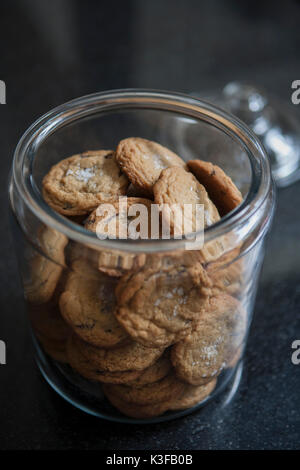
x=87, y=304
x=78, y=184
x=143, y=160
x=220, y=187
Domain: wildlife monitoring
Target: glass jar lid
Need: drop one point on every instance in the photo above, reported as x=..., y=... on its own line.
x=272, y=120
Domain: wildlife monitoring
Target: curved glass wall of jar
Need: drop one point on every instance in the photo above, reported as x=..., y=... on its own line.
x=142, y=330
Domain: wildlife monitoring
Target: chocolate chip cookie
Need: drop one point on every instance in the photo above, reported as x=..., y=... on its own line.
x=158, y=305
x=88, y=303
x=90, y=370
x=202, y=355
x=187, y=397
x=143, y=160
x=227, y=273
x=125, y=357
x=129, y=218
x=133, y=410
x=163, y=390
x=46, y=268
x=176, y=186
x=78, y=184
x=157, y=371
x=192, y=395
x=220, y=187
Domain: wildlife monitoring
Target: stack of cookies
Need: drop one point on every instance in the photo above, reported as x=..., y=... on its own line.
x=157, y=329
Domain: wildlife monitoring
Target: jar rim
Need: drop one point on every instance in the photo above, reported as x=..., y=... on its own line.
x=96, y=103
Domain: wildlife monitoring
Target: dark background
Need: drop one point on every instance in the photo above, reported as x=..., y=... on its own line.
x=53, y=51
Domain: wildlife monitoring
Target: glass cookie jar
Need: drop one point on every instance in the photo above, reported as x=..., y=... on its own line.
x=139, y=330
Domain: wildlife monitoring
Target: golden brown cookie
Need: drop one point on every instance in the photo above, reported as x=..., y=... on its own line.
x=127, y=356
x=130, y=214
x=228, y=279
x=90, y=370
x=177, y=186
x=188, y=397
x=227, y=272
x=78, y=184
x=202, y=355
x=135, y=411
x=46, y=268
x=192, y=395
x=163, y=390
x=157, y=371
x=88, y=303
x=158, y=305
x=142, y=160
x=220, y=187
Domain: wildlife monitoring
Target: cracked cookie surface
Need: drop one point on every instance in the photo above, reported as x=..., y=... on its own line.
x=78, y=184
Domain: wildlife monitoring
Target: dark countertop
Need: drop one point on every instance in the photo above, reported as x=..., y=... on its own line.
x=54, y=51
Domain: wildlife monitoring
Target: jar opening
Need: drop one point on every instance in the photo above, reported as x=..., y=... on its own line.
x=119, y=100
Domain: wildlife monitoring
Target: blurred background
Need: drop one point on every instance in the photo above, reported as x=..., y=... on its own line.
x=53, y=51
